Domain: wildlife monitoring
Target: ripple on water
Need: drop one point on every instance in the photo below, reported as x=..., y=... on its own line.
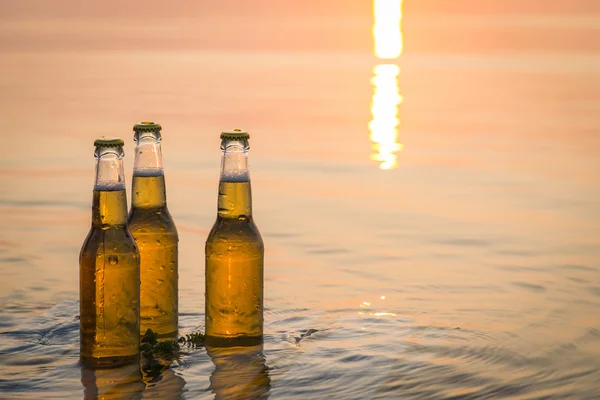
x=595, y=290
x=530, y=286
x=464, y=242
x=577, y=267
x=345, y=353
x=13, y=260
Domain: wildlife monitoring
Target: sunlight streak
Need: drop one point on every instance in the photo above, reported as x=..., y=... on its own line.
x=387, y=32
x=387, y=29
x=384, y=108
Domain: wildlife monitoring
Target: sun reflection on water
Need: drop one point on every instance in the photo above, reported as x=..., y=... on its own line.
x=385, y=122
x=367, y=305
x=387, y=33
x=386, y=28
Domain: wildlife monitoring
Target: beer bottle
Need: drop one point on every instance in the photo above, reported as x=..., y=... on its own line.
x=109, y=269
x=234, y=254
x=154, y=231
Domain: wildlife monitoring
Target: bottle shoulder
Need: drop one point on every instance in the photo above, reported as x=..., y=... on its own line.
x=235, y=230
x=113, y=240
x=152, y=219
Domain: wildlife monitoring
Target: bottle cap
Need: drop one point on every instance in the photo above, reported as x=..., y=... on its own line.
x=104, y=141
x=236, y=134
x=147, y=126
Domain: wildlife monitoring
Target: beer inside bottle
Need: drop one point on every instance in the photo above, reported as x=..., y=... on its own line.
x=234, y=255
x=109, y=269
x=154, y=231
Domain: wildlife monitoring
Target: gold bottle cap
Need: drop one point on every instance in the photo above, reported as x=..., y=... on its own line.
x=236, y=134
x=104, y=141
x=147, y=126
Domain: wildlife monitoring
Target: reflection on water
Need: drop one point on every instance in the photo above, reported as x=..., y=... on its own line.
x=163, y=383
x=129, y=382
x=384, y=108
x=387, y=33
x=386, y=28
x=240, y=373
x=112, y=384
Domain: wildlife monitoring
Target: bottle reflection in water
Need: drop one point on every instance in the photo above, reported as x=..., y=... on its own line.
x=109, y=269
x=162, y=383
x=240, y=373
x=122, y=383
x=234, y=255
x=154, y=231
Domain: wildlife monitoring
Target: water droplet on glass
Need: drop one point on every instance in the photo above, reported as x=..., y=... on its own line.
x=113, y=260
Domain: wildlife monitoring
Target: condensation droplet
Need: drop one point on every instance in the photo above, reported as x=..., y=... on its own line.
x=113, y=260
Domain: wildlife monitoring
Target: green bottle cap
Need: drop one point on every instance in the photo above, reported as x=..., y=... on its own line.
x=104, y=141
x=236, y=134
x=147, y=126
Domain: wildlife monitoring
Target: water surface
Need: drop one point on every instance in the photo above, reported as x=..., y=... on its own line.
x=467, y=266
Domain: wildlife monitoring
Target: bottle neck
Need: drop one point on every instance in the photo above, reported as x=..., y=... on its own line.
x=109, y=208
x=149, y=189
x=109, y=169
x=110, y=201
x=235, y=194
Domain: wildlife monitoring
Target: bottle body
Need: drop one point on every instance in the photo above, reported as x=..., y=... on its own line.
x=234, y=283
x=156, y=236
x=157, y=239
x=234, y=263
x=109, y=280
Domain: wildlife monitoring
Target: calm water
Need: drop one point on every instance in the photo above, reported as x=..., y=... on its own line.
x=470, y=268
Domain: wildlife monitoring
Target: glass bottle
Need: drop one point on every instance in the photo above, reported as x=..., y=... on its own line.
x=154, y=231
x=234, y=254
x=109, y=269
